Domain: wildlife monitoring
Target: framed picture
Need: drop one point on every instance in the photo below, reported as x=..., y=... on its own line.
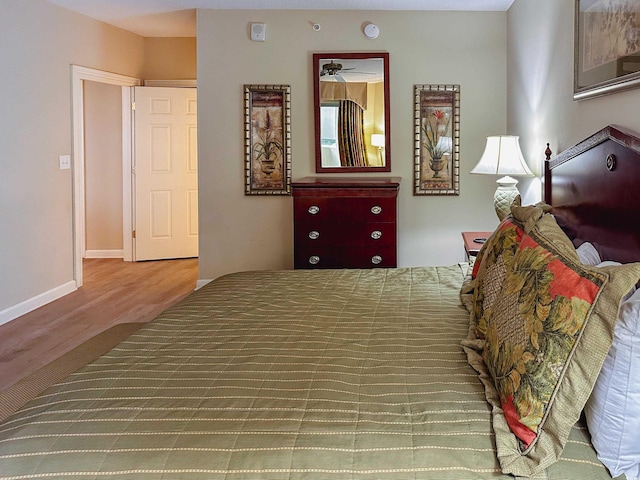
x=607, y=47
x=267, y=122
x=437, y=140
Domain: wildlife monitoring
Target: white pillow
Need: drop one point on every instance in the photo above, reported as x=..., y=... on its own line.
x=608, y=263
x=613, y=410
x=588, y=254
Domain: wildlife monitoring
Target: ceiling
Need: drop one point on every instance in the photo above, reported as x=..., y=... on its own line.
x=177, y=18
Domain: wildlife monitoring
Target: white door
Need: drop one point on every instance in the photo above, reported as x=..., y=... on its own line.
x=165, y=173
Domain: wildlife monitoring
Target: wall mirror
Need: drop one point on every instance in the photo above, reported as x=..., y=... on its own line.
x=351, y=108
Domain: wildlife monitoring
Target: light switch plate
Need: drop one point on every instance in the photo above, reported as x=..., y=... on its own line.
x=65, y=162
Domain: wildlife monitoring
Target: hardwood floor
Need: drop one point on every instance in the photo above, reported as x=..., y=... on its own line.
x=114, y=292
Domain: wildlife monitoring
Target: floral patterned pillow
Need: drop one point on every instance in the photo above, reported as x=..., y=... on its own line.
x=490, y=271
x=546, y=322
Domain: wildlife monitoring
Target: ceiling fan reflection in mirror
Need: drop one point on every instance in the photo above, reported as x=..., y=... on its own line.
x=336, y=71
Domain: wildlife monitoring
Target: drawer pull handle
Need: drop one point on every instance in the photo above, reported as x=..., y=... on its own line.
x=376, y=234
x=314, y=209
x=376, y=209
x=376, y=259
x=313, y=235
x=314, y=259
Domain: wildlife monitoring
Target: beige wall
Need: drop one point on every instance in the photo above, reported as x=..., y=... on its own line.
x=40, y=42
x=467, y=48
x=103, y=167
x=541, y=107
x=236, y=232
x=534, y=39
x=169, y=58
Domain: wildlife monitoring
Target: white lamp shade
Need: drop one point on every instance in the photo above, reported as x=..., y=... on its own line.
x=377, y=140
x=502, y=156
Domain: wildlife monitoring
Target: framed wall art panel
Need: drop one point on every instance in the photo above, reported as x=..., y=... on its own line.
x=267, y=139
x=606, y=47
x=437, y=140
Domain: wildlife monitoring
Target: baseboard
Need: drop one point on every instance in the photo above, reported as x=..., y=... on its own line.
x=104, y=254
x=36, y=302
x=201, y=283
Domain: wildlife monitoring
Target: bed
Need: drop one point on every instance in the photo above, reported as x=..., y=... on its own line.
x=324, y=374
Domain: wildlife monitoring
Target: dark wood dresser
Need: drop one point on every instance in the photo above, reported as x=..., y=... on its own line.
x=345, y=222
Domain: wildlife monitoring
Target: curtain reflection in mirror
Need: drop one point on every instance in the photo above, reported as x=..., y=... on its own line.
x=343, y=137
x=342, y=114
x=353, y=152
x=346, y=121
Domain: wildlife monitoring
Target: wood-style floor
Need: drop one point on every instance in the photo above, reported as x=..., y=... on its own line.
x=113, y=292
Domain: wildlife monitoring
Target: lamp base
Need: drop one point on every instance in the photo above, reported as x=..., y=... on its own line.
x=506, y=195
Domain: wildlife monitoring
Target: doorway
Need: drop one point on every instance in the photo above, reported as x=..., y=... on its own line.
x=103, y=171
x=79, y=76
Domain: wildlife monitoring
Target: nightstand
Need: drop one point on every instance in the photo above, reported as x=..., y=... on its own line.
x=471, y=246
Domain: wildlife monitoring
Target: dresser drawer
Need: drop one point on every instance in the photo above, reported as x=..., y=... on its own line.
x=345, y=222
x=345, y=209
x=349, y=257
x=352, y=234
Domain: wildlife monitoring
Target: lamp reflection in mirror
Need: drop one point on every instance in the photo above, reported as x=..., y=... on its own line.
x=377, y=140
x=502, y=156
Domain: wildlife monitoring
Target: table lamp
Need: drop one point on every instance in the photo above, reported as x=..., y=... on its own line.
x=377, y=140
x=502, y=156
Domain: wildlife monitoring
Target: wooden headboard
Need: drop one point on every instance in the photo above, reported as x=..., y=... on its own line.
x=594, y=189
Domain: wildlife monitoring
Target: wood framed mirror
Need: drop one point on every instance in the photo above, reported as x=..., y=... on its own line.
x=351, y=109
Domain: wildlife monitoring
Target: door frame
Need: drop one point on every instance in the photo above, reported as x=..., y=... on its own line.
x=78, y=75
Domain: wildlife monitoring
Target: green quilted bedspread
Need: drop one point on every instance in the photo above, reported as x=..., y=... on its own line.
x=332, y=374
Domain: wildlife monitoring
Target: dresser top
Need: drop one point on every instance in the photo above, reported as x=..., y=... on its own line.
x=347, y=182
